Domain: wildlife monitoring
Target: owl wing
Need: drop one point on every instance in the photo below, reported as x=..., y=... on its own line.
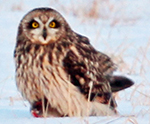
x=88, y=70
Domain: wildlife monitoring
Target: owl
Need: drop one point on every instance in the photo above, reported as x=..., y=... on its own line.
x=59, y=72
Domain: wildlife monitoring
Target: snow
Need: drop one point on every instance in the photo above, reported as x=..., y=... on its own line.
x=121, y=30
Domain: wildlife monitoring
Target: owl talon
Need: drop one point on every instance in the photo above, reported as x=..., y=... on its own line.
x=35, y=113
x=36, y=109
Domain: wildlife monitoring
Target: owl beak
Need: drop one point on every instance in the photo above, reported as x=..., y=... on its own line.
x=44, y=34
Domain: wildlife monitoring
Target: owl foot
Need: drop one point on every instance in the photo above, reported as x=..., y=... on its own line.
x=37, y=109
x=43, y=109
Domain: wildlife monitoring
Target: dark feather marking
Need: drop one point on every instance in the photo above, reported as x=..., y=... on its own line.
x=37, y=47
x=28, y=48
x=71, y=67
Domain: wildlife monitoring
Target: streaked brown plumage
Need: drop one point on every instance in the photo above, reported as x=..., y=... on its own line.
x=59, y=72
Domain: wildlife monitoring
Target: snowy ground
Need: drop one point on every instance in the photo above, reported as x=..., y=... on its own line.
x=121, y=29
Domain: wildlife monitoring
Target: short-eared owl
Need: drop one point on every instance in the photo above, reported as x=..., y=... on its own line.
x=59, y=72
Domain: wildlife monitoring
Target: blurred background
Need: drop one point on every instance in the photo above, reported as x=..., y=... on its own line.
x=119, y=28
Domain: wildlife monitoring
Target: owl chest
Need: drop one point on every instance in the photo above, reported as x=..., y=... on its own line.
x=33, y=74
x=27, y=80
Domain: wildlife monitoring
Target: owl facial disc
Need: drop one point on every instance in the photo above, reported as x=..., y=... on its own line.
x=42, y=31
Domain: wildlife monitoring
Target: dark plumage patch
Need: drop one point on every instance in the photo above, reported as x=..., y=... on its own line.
x=28, y=48
x=73, y=68
x=118, y=83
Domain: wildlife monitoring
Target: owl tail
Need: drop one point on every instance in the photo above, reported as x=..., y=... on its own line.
x=118, y=83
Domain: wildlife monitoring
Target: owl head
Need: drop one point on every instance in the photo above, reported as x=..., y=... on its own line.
x=43, y=26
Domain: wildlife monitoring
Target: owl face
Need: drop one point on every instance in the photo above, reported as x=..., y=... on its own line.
x=43, y=26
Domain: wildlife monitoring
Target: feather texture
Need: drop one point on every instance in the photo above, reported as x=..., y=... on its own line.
x=65, y=76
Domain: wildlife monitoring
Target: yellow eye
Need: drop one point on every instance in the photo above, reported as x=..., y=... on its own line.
x=35, y=25
x=52, y=24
